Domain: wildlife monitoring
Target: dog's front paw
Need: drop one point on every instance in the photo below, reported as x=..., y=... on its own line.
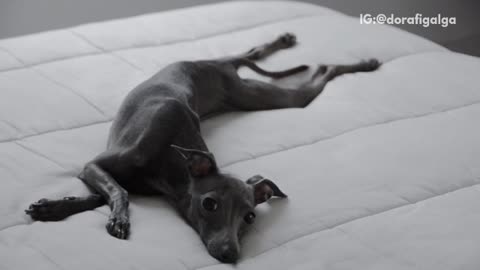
x=287, y=40
x=118, y=226
x=49, y=210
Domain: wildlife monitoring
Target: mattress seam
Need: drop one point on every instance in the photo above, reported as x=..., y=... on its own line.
x=377, y=251
x=272, y=152
x=168, y=43
x=71, y=90
x=328, y=228
x=40, y=155
x=351, y=131
x=49, y=259
x=91, y=43
x=230, y=163
x=56, y=130
x=61, y=85
x=12, y=126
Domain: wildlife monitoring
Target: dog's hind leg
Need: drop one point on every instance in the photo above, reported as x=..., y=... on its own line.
x=251, y=94
x=54, y=210
x=247, y=59
x=272, y=74
x=284, y=41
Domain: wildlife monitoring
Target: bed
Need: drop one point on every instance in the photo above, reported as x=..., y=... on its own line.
x=382, y=169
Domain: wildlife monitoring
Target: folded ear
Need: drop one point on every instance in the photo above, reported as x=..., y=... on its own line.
x=264, y=189
x=199, y=163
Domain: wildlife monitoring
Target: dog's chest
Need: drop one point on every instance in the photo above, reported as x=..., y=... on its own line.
x=168, y=178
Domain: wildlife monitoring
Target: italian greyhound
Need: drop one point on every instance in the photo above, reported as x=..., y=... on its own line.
x=155, y=146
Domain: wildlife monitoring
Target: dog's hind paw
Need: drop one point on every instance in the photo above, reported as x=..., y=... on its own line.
x=287, y=40
x=118, y=226
x=371, y=64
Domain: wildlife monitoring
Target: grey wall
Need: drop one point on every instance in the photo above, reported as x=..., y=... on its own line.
x=18, y=17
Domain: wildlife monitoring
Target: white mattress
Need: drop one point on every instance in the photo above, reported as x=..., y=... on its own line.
x=382, y=169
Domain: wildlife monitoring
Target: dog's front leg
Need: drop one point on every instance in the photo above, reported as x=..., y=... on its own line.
x=117, y=198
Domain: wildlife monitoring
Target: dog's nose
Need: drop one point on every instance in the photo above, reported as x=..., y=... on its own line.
x=228, y=254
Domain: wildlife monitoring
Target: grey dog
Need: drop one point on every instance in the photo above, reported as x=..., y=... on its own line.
x=155, y=146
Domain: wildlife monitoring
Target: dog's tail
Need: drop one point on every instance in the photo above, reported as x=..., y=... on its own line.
x=272, y=74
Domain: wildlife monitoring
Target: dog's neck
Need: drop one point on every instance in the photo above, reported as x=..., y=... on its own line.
x=181, y=200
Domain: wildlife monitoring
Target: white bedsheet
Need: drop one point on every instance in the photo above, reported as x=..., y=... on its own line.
x=382, y=169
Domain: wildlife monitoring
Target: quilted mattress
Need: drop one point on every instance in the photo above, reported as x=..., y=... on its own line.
x=382, y=169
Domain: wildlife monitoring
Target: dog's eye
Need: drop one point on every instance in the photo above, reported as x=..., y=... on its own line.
x=249, y=218
x=209, y=204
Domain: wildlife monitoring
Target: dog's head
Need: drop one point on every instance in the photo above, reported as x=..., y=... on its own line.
x=222, y=207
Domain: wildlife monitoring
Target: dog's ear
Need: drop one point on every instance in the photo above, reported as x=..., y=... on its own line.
x=199, y=163
x=264, y=189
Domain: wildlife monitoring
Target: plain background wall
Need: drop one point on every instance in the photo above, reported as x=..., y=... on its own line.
x=19, y=17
